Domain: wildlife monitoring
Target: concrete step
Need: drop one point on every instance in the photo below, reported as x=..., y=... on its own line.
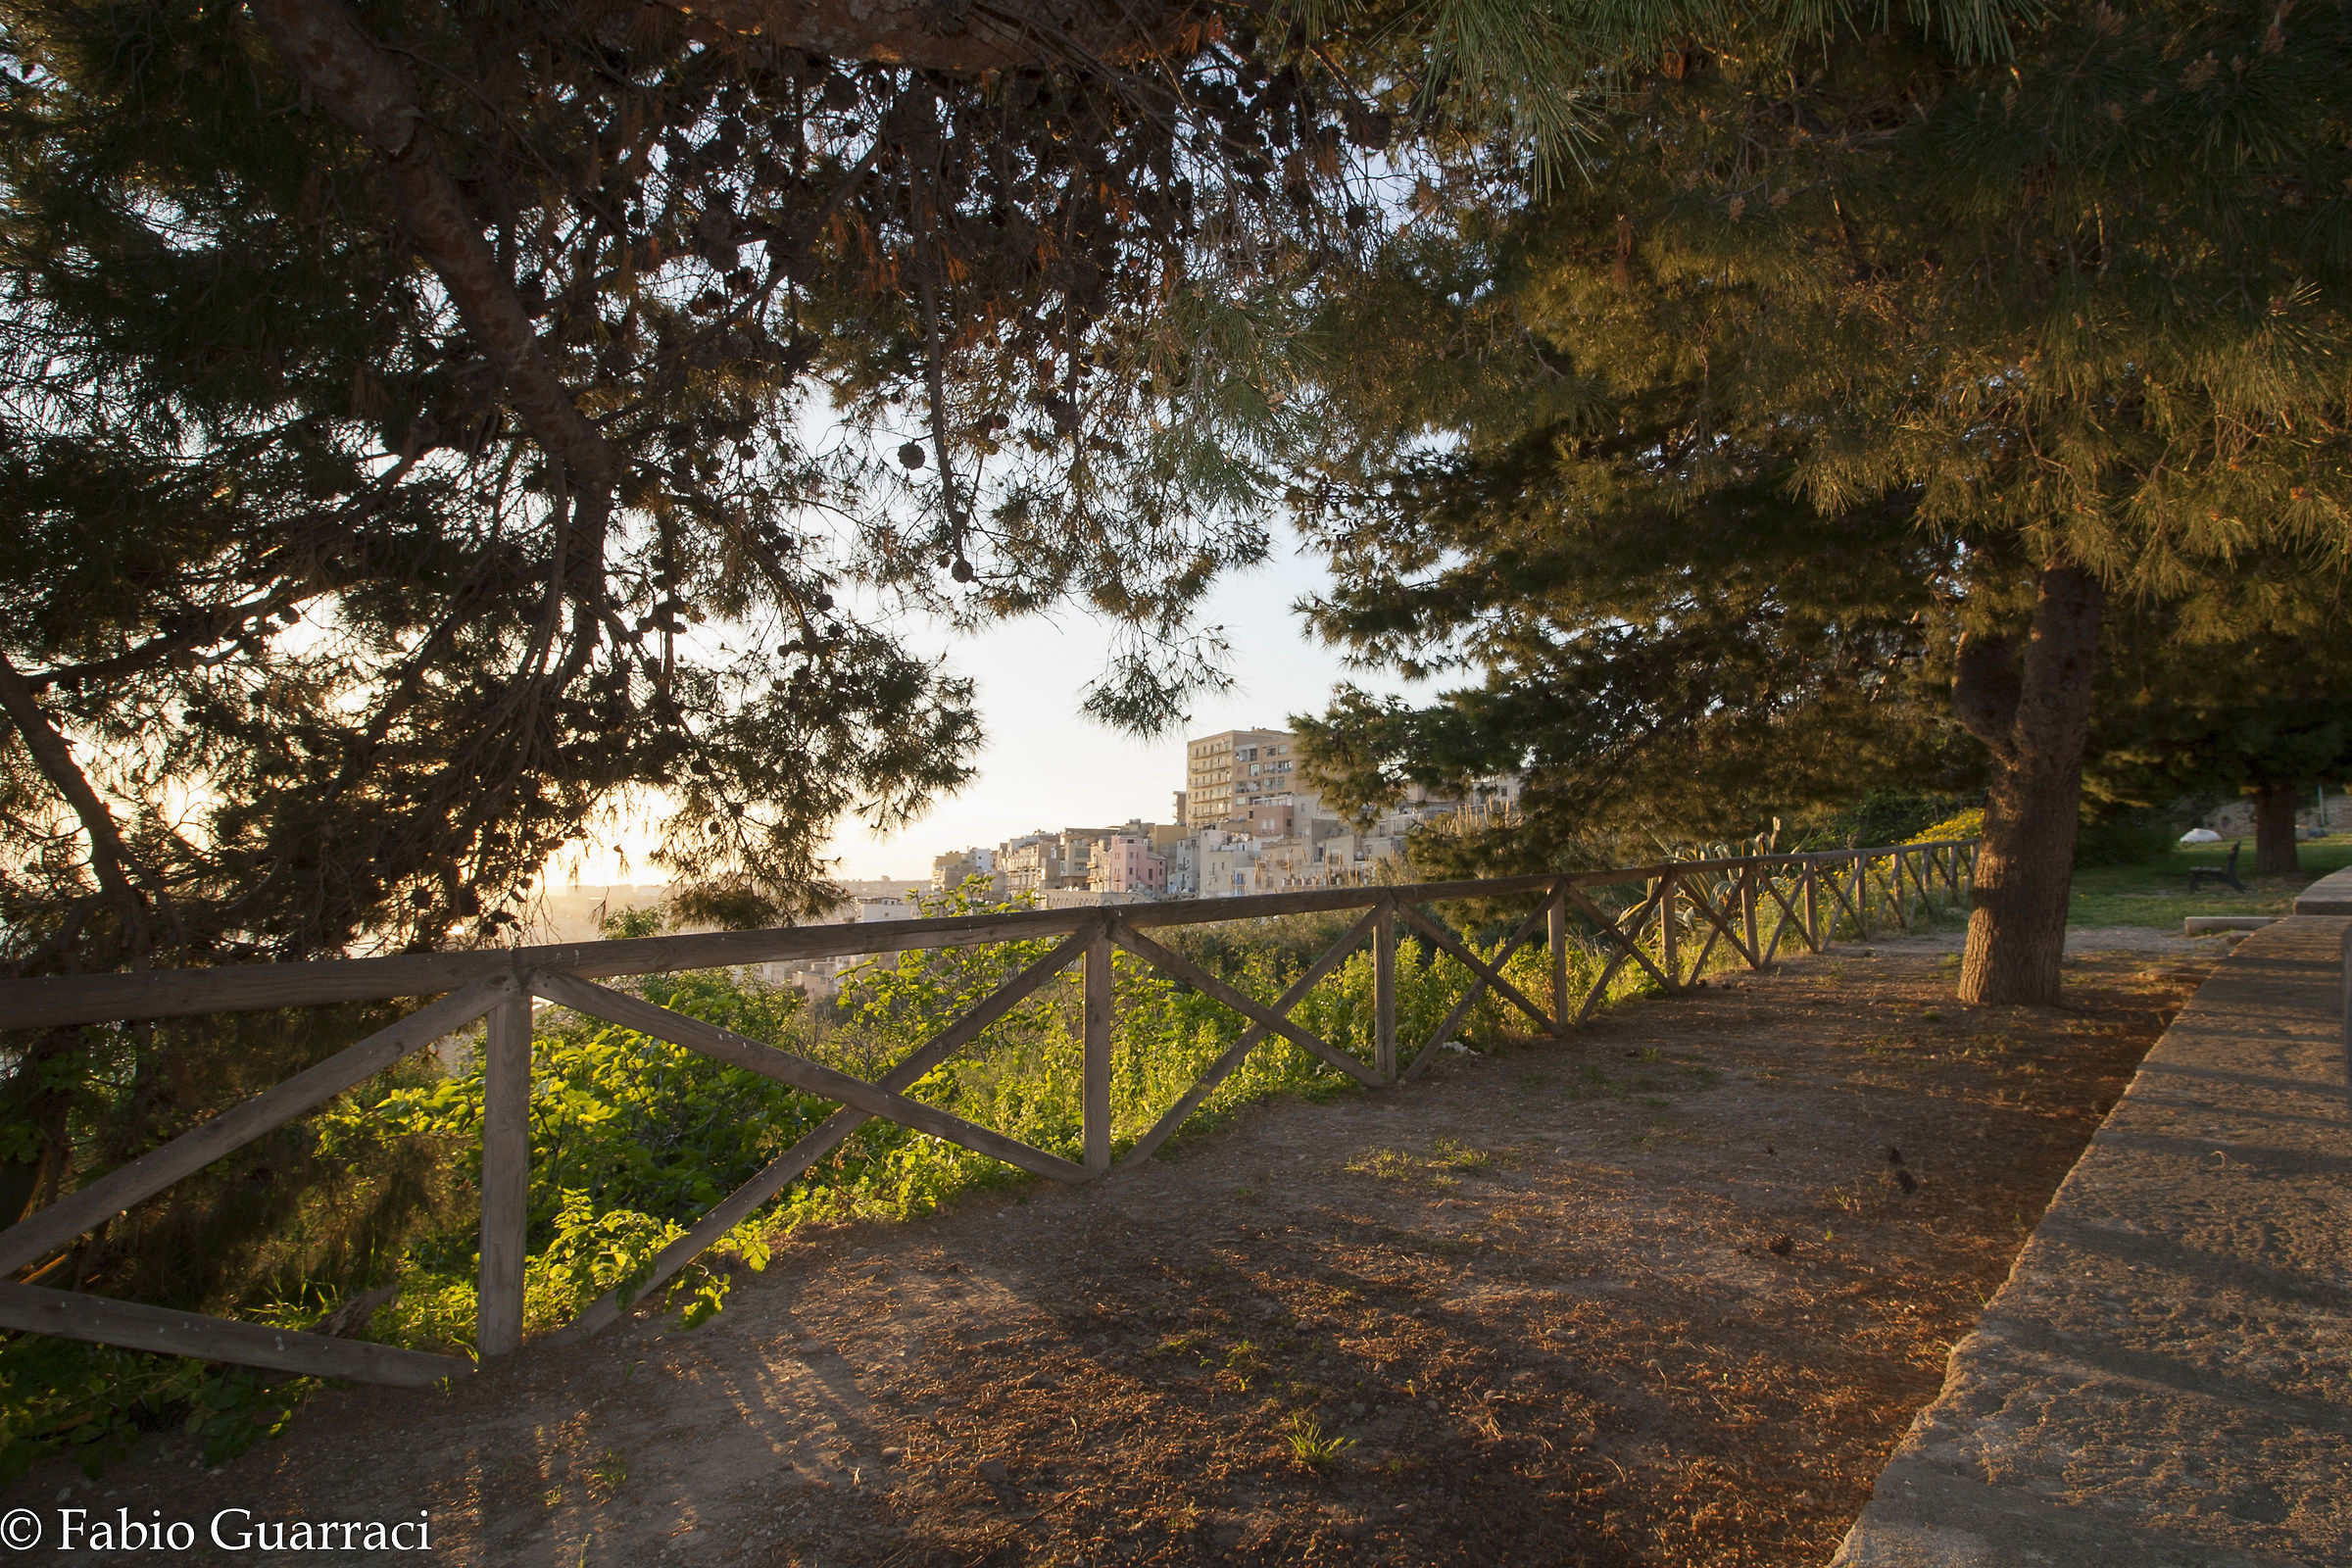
x=2329, y=895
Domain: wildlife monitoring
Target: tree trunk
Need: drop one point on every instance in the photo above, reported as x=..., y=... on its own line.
x=2275, y=830
x=2034, y=713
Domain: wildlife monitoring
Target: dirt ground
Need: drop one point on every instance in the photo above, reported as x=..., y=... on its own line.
x=1667, y=1292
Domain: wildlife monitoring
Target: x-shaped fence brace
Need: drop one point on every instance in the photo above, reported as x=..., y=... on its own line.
x=1725, y=899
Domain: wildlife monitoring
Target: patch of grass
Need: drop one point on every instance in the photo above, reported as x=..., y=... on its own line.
x=608, y=1471
x=1243, y=1366
x=1983, y=1048
x=1311, y=1448
x=1388, y=1165
x=1445, y=1158
x=1449, y=1153
x=2157, y=894
x=1645, y=1088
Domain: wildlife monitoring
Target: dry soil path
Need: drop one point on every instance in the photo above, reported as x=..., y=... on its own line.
x=1668, y=1292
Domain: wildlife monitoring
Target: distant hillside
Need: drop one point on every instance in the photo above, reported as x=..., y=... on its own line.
x=575, y=913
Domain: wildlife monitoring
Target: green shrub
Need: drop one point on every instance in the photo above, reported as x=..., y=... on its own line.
x=89, y=1403
x=1968, y=824
x=1880, y=816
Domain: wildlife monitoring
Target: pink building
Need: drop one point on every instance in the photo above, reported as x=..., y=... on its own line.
x=1126, y=863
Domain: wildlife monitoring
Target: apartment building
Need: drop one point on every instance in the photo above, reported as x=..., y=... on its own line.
x=1226, y=774
x=951, y=870
x=1037, y=861
x=1046, y=862
x=1128, y=863
x=1226, y=868
x=1025, y=862
x=1184, y=865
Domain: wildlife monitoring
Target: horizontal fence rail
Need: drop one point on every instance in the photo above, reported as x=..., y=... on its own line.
x=1670, y=932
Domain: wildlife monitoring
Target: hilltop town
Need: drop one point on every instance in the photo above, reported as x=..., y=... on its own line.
x=1244, y=823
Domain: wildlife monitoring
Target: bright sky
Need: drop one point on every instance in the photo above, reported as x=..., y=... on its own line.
x=1045, y=765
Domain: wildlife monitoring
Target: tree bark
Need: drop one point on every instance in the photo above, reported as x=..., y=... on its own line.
x=2034, y=714
x=2275, y=830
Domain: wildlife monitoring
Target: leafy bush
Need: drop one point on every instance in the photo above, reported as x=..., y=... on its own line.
x=1968, y=824
x=89, y=1403
x=1880, y=816
x=632, y=1139
x=2139, y=839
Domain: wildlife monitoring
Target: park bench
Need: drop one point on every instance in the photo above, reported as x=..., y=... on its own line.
x=2199, y=875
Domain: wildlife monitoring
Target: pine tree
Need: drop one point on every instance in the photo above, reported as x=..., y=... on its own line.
x=2075, y=301
x=2248, y=688
x=405, y=416
x=1687, y=661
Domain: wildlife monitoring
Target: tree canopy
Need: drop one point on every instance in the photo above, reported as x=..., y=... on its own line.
x=2074, y=308
x=421, y=446
x=428, y=423
x=2250, y=695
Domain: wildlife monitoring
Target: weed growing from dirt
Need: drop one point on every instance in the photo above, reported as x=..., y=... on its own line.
x=1311, y=1448
x=609, y=1473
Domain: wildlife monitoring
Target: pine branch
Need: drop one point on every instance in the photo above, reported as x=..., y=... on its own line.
x=111, y=858
x=365, y=87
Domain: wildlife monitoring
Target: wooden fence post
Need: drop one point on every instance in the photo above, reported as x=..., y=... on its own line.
x=1749, y=892
x=1861, y=898
x=1812, y=896
x=1557, y=933
x=1384, y=994
x=1095, y=1093
x=506, y=1174
x=1670, y=928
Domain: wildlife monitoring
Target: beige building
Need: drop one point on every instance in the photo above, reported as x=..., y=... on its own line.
x=1226, y=774
x=1045, y=862
x=1227, y=866
x=950, y=871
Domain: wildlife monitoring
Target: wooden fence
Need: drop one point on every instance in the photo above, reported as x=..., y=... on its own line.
x=1670, y=930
